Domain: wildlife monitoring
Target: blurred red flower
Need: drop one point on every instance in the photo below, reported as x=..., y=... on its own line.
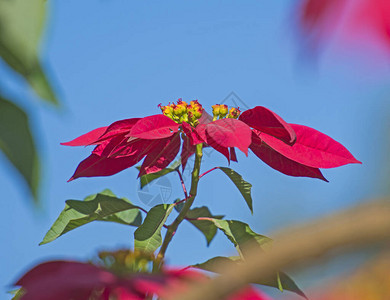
x=70, y=280
x=362, y=21
x=294, y=150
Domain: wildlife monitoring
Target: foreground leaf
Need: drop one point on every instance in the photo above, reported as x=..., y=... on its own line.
x=148, y=178
x=17, y=143
x=280, y=281
x=206, y=227
x=104, y=206
x=147, y=237
x=21, y=29
x=243, y=186
x=240, y=234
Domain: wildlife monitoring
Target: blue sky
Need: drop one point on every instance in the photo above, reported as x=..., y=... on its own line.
x=112, y=60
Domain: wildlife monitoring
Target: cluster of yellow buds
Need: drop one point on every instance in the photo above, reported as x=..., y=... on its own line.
x=221, y=111
x=125, y=261
x=182, y=112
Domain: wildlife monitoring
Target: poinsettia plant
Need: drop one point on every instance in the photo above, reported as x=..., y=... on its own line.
x=182, y=130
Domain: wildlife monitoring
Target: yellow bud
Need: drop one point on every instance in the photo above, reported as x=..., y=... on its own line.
x=223, y=110
x=216, y=109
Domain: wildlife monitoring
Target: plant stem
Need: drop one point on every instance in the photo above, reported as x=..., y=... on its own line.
x=193, y=191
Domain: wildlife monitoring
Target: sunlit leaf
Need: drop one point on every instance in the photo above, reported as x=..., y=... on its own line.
x=206, y=227
x=240, y=234
x=17, y=143
x=21, y=26
x=104, y=206
x=280, y=281
x=147, y=237
x=243, y=186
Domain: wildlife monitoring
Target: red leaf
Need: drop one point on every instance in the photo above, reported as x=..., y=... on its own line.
x=281, y=163
x=161, y=156
x=119, y=127
x=267, y=121
x=229, y=133
x=187, y=150
x=88, y=138
x=95, y=165
x=133, y=147
x=312, y=148
x=191, y=132
x=154, y=127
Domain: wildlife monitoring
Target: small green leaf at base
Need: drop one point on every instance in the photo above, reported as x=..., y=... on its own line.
x=104, y=206
x=147, y=237
x=206, y=227
x=240, y=234
x=148, y=178
x=243, y=186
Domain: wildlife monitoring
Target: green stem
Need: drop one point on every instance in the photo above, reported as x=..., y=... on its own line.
x=194, y=189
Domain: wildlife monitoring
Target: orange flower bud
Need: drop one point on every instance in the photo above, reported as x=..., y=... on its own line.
x=234, y=113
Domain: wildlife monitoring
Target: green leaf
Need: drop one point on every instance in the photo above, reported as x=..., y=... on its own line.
x=147, y=237
x=148, y=178
x=17, y=143
x=17, y=294
x=240, y=234
x=206, y=227
x=243, y=186
x=21, y=26
x=214, y=263
x=280, y=281
x=104, y=206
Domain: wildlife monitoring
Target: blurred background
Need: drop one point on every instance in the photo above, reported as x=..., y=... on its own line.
x=110, y=60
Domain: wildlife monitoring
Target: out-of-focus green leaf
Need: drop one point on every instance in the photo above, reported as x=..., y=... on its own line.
x=147, y=237
x=148, y=178
x=243, y=186
x=17, y=143
x=206, y=227
x=21, y=27
x=104, y=206
x=240, y=234
x=280, y=281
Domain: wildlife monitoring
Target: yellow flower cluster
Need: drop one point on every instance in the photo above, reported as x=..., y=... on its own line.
x=124, y=261
x=221, y=111
x=182, y=112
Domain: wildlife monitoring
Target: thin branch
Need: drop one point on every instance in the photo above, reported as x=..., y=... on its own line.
x=200, y=176
x=364, y=225
x=182, y=183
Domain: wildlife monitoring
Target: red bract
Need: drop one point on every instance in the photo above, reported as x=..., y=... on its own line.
x=294, y=150
x=70, y=280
